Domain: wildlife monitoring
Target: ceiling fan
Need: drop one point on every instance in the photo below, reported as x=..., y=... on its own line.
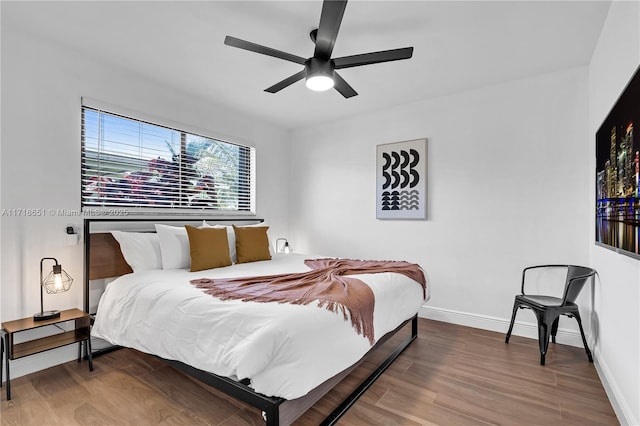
x=319, y=70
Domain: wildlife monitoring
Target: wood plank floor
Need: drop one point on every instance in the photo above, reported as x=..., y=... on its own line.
x=451, y=375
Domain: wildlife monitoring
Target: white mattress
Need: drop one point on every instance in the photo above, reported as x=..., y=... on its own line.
x=285, y=350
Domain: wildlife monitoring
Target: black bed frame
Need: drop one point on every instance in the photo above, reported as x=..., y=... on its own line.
x=274, y=410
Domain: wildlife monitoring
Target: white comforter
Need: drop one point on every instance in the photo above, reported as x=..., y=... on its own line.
x=285, y=350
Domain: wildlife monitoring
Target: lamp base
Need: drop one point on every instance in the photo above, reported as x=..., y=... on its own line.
x=41, y=316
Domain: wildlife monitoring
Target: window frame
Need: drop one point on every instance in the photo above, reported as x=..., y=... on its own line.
x=245, y=195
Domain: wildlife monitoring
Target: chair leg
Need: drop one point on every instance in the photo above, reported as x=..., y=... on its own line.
x=554, y=329
x=584, y=340
x=513, y=318
x=543, y=342
x=1, y=356
x=543, y=334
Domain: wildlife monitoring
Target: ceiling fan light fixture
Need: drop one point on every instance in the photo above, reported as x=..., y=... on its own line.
x=319, y=74
x=319, y=82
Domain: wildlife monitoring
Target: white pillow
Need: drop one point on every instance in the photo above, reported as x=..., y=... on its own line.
x=141, y=250
x=231, y=237
x=174, y=246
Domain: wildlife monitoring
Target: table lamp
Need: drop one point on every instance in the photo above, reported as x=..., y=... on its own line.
x=56, y=281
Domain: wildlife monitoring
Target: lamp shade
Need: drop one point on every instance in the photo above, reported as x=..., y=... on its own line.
x=57, y=281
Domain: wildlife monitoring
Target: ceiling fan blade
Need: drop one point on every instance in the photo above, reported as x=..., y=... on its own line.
x=343, y=87
x=330, y=21
x=373, y=58
x=253, y=47
x=286, y=82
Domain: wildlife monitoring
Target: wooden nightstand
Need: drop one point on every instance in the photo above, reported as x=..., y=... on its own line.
x=81, y=333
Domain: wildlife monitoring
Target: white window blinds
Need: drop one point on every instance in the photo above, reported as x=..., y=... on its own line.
x=135, y=164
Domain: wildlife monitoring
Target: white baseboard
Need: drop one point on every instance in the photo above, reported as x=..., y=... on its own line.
x=617, y=399
x=501, y=325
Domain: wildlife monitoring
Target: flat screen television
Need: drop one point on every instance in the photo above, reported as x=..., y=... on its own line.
x=618, y=174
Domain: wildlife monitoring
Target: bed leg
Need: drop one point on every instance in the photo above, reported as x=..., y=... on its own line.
x=414, y=327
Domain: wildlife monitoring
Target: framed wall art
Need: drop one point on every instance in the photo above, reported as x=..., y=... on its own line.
x=401, y=180
x=618, y=174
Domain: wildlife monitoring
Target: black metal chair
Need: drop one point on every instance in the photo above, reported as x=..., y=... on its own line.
x=548, y=308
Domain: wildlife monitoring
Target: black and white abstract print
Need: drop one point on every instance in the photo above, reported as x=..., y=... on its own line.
x=401, y=180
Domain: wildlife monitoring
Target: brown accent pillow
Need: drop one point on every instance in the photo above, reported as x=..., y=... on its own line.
x=208, y=248
x=252, y=243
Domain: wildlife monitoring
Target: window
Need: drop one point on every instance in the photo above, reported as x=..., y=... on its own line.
x=136, y=164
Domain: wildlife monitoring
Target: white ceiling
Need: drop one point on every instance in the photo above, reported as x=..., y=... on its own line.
x=457, y=46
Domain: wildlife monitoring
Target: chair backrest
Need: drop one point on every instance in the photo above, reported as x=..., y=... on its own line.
x=577, y=277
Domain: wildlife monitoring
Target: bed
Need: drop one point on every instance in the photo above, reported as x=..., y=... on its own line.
x=278, y=357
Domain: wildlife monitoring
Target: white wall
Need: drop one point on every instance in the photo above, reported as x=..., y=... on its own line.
x=42, y=85
x=617, y=294
x=508, y=170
